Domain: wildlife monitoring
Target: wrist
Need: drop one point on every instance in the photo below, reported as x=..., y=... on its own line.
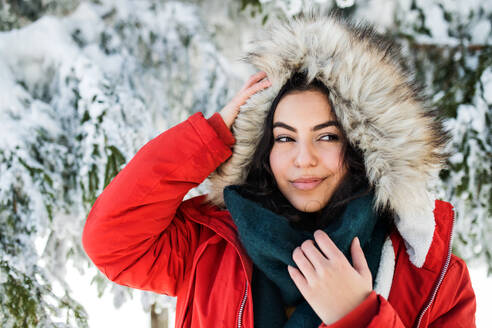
x=345, y=308
x=358, y=316
x=220, y=127
x=227, y=122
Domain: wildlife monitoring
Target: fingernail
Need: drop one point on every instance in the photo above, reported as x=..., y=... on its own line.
x=357, y=240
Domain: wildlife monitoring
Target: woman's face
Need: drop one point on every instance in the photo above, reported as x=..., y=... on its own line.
x=306, y=157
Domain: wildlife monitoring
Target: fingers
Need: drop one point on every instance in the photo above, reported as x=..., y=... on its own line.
x=245, y=94
x=260, y=85
x=299, y=280
x=303, y=263
x=255, y=83
x=253, y=79
x=252, y=86
x=314, y=256
x=231, y=110
x=359, y=260
x=327, y=245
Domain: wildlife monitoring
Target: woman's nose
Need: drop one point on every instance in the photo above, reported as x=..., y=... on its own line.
x=306, y=156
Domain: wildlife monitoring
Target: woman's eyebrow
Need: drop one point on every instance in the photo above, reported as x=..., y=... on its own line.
x=315, y=128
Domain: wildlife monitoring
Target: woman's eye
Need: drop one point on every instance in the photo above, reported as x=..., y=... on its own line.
x=283, y=139
x=329, y=137
x=326, y=137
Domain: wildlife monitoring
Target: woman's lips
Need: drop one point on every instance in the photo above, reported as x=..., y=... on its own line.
x=307, y=184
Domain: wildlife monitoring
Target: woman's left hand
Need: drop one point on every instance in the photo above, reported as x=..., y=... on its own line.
x=328, y=282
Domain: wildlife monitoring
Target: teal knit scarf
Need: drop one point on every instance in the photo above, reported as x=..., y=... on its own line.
x=270, y=240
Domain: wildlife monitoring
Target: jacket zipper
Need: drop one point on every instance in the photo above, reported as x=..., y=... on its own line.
x=441, y=277
x=243, y=303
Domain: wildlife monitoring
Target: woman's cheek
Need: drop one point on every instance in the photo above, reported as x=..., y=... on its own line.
x=280, y=166
x=276, y=162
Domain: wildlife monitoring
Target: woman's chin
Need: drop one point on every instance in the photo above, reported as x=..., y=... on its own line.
x=308, y=206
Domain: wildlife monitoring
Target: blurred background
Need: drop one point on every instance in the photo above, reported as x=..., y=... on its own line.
x=85, y=84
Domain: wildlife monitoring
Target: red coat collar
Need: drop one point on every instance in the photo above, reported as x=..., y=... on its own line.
x=221, y=222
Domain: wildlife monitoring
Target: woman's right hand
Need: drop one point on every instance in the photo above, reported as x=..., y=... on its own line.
x=255, y=83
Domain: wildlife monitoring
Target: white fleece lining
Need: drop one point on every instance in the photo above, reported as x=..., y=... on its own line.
x=417, y=226
x=384, y=279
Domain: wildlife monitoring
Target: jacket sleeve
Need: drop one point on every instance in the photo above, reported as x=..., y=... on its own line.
x=134, y=233
x=374, y=311
x=454, y=305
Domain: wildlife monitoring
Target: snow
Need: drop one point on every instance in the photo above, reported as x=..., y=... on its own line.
x=435, y=21
x=481, y=32
x=482, y=286
x=78, y=90
x=345, y=3
x=133, y=83
x=102, y=312
x=377, y=12
x=486, y=80
x=442, y=18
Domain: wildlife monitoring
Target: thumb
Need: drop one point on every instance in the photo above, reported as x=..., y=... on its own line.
x=359, y=260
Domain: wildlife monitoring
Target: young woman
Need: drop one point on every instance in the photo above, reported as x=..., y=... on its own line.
x=318, y=213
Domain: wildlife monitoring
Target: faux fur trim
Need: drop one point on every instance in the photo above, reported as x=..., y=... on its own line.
x=386, y=270
x=377, y=102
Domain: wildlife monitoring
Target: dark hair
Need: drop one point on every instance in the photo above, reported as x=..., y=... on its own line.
x=260, y=184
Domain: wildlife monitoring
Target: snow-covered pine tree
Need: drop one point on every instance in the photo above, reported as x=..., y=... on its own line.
x=89, y=90
x=18, y=13
x=449, y=43
x=80, y=95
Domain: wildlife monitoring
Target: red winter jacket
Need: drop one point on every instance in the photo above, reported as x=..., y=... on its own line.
x=140, y=233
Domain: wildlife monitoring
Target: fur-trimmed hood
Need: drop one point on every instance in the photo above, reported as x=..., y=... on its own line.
x=377, y=103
